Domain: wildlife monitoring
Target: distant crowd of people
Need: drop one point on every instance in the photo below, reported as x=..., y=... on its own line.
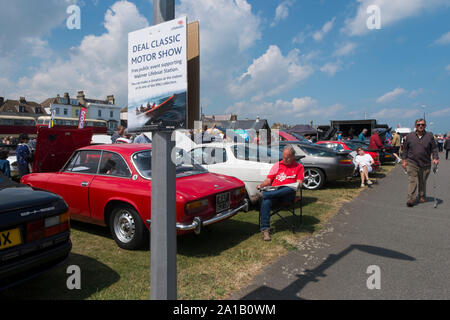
x=121, y=135
x=213, y=134
x=24, y=155
x=9, y=140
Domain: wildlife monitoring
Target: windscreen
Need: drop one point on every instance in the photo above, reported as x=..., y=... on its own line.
x=185, y=165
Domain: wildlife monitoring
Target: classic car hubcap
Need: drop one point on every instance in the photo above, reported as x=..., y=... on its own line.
x=124, y=226
x=312, y=179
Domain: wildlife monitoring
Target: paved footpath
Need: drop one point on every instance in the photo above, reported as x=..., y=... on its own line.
x=411, y=247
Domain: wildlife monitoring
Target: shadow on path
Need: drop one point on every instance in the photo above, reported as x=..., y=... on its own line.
x=291, y=292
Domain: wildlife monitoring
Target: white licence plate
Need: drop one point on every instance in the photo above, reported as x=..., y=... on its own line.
x=222, y=202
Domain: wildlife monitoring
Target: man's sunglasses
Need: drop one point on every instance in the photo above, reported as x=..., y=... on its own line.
x=420, y=125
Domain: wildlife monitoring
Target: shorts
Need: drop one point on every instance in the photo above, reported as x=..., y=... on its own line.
x=369, y=168
x=395, y=150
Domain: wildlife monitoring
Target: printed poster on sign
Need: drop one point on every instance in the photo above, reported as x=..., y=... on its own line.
x=157, y=77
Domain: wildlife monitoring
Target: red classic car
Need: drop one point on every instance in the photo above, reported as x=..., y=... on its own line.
x=110, y=185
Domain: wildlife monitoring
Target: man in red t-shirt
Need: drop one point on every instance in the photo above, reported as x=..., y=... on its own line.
x=282, y=173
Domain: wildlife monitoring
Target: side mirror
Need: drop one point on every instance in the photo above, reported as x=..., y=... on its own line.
x=298, y=158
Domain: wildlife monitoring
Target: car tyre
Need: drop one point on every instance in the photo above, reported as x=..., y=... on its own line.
x=127, y=228
x=314, y=179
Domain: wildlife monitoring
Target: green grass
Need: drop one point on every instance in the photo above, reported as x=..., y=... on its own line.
x=212, y=265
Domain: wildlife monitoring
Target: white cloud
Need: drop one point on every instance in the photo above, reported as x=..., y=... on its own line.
x=443, y=40
x=395, y=113
x=228, y=29
x=345, y=49
x=391, y=11
x=391, y=95
x=233, y=20
x=318, y=35
x=415, y=93
x=271, y=74
x=447, y=68
x=331, y=68
x=24, y=21
x=98, y=65
x=25, y=26
x=440, y=113
x=299, y=38
x=281, y=12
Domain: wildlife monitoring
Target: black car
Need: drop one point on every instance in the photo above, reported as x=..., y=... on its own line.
x=385, y=156
x=34, y=232
x=321, y=164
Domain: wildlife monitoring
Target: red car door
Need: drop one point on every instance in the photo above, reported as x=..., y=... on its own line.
x=113, y=182
x=74, y=181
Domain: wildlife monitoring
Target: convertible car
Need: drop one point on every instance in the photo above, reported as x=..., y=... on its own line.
x=110, y=185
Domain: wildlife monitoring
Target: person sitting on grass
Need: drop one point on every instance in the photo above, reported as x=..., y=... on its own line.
x=285, y=172
x=364, y=162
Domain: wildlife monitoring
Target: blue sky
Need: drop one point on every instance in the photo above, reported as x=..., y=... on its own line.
x=289, y=61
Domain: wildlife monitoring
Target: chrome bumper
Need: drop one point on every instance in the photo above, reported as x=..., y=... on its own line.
x=198, y=223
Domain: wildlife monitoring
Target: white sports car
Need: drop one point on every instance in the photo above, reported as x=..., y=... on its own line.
x=242, y=161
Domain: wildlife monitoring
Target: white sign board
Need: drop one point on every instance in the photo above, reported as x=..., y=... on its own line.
x=157, y=77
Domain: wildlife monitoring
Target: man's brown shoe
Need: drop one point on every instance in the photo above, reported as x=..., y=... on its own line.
x=265, y=235
x=410, y=203
x=422, y=200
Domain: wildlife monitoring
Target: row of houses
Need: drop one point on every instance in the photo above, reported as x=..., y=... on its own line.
x=65, y=107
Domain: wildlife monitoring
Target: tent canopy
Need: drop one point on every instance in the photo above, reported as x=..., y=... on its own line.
x=303, y=129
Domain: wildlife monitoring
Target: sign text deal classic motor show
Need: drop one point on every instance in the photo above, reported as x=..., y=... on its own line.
x=155, y=44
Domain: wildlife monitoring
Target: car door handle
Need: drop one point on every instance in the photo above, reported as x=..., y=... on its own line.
x=84, y=184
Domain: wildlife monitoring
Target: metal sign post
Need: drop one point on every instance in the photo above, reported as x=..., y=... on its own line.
x=163, y=242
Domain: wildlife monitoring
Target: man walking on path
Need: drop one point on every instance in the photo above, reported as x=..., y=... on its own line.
x=396, y=144
x=417, y=150
x=447, y=147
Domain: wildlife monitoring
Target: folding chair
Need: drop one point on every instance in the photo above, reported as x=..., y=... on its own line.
x=291, y=208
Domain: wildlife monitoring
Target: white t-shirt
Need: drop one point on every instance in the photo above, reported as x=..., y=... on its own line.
x=364, y=160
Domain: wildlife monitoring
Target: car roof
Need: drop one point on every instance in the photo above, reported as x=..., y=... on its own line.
x=313, y=146
x=330, y=141
x=296, y=142
x=122, y=148
x=220, y=144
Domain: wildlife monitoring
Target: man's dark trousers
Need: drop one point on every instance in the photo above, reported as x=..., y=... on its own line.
x=269, y=198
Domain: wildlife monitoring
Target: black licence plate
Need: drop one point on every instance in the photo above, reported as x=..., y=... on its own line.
x=222, y=202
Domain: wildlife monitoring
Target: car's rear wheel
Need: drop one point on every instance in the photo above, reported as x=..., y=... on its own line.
x=314, y=179
x=127, y=228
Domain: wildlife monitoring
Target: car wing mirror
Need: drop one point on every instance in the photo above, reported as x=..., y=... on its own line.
x=298, y=158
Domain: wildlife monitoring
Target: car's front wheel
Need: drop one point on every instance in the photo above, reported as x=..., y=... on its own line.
x=314, y=179
x=127, y=228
